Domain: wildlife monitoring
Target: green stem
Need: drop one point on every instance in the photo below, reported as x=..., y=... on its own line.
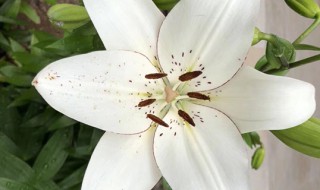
x=268, y=37
x=297, y=64
x=311, y=28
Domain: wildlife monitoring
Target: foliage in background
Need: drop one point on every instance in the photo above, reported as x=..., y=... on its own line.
x=41, y=149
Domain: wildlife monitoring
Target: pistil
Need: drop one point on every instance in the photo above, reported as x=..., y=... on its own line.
x=170, y=94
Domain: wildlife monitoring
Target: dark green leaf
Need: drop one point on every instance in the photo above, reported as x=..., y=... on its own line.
x=14, y=168
x=8, y=184
x=27, y=10
x=53, y=155
x=73, y=179
x=61, y=122
x=7, y=144
x=14, y=75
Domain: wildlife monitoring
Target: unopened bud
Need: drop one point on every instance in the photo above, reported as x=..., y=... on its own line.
x=304, y=138
x=306, y=8
x=257, y=158
x=68, y=16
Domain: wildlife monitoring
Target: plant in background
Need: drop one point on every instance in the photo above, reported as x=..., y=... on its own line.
x=47, y=150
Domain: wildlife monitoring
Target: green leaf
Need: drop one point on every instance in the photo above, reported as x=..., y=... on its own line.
x=45, y=185
x=53, y=155
x=26, y=97
x=73, y=44
x=27, y=10
x=304, y=138
x=9, y=117
x=8, y=20
x=8, y=184
x=62, y=122
x=41, y=119
x=306, y=47
x=165, y=185
x=30, y=63
x=166, y=5
x=14, y=75
x=247, y=138
x=4, y=43
x=252, y=139
x=16, y=46
x=73, y=179
x=7, y=144
x=10, y=8
x=14, y=168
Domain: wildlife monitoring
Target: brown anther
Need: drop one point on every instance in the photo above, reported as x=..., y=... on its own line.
x=198, y=95
x=186, y=117
x=157, y=120
x=190, y=76
x=146, y=102
x=155, y=75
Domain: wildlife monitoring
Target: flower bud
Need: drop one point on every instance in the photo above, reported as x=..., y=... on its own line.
x=306, y=8
x=68, y=16
x=257, y=158
x=304, y=138
x=256, y=37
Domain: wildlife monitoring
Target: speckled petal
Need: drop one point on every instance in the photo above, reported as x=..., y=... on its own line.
x=212, y=36
x=127, y=24
x=256, y=101
x=122, y=162
x=211, y=155
x=102, y=89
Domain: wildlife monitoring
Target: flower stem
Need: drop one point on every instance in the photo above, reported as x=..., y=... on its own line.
x=311, y=28
x=297, y=64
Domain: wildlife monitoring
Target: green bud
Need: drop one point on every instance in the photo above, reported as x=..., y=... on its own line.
x=256, y=37
x=279, y=54
x=306, y=8
x=304, y=138
x=68, y=16
x=257, y=158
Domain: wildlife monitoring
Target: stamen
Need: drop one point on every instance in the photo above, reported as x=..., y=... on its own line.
x=186, y=117
x=146, y=102
x=157, y=120
x=190, y=76
x=198, y=95
x=155, y=75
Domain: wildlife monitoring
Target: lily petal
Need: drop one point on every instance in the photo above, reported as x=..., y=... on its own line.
x=256, y=101
x=210, y=155
x=209, y=36
x=102, y=89
x=122, y=162
x=127, y=24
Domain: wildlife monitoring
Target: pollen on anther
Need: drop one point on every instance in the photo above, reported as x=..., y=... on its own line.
x=198, y=95
x=146, y=102
x=189, y=75
x=157, y=120
x=186, y=117
x=155, y=75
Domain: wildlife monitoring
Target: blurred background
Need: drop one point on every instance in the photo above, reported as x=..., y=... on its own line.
x=284, y=168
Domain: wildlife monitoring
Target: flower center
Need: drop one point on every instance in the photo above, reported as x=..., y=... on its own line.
x=173, y=98
x=170, y=94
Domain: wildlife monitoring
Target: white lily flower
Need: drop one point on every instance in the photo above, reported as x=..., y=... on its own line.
x=172, y=94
